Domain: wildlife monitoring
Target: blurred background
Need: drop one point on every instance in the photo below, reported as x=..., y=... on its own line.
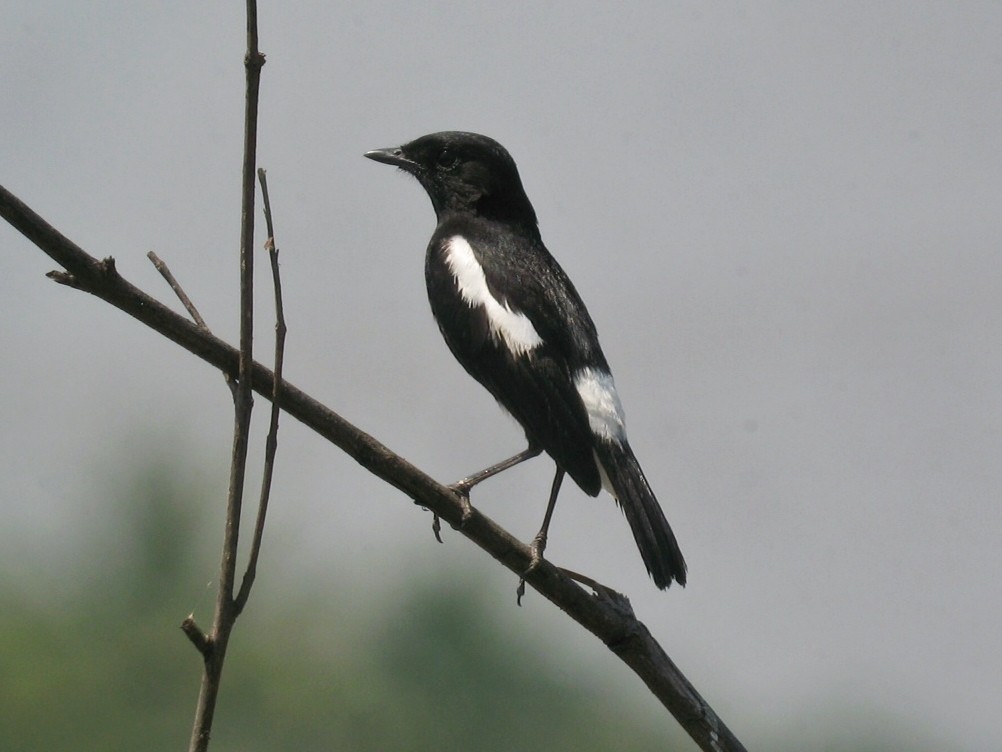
x=784, y=219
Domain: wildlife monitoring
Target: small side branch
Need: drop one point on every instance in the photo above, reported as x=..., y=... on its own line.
x=161, y=266
x=196, y=636
x=165, y=272
x=271, y=444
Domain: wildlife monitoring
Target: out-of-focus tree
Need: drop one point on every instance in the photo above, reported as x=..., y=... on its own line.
x=108, y=669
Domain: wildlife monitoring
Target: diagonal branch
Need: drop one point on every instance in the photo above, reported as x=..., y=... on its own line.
x=606, y=618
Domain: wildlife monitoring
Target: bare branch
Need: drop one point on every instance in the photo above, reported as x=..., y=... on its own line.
x=605, y=614
x=161, y=266
x=271, y=444
x=627, y=637
x=195, y=634
x=227, y=609
x=165, y=272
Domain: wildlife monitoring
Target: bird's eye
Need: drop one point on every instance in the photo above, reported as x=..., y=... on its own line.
x=447, y=159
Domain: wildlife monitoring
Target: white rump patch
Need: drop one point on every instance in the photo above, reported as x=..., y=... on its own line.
x=606, y=483
x=511, y=327
x=605, y=412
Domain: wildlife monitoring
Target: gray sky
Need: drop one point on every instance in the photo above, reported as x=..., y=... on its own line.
x=785, y=221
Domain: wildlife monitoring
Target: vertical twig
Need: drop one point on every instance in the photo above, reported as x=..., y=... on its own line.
x=271, y=444
x=226, y=611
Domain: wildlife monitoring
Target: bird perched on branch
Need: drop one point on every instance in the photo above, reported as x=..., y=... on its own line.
x=513, y=319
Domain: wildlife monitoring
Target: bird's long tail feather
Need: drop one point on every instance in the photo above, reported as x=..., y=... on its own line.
x=624, y=479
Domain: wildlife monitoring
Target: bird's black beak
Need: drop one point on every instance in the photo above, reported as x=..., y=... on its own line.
x=393, y=156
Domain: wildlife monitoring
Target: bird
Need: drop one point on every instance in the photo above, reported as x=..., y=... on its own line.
x=513, y=319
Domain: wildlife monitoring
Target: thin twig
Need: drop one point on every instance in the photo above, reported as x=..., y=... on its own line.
x=165, y=272
x=271, y=444
x=161, y=266
x=226, y=611
x=195, y=634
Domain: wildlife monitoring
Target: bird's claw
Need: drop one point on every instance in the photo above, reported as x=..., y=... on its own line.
x=536, y=549
x=462, y=490
x=462, y=487
x=436, y=526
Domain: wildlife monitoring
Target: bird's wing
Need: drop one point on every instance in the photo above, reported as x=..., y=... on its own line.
x=525, y=278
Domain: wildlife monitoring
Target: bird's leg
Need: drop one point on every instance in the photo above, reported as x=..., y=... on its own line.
x=538, y=544
x=463, y=486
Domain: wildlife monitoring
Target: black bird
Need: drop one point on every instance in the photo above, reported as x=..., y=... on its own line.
x=514, y=321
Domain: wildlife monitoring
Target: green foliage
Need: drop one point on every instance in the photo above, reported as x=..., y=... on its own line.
x=108, y=669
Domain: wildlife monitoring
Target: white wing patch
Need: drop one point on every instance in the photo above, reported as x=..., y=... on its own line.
x=511, y=327
x=605, y=412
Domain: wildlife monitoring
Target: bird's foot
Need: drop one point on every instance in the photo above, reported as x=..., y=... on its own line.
x=436, y=524
x=462, y=489
x=602, y=592
x=536, y=549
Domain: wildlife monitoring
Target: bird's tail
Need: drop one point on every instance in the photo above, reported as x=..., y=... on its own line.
x=623, y=478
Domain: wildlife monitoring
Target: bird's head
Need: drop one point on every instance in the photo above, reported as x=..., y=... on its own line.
x=464, y=173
